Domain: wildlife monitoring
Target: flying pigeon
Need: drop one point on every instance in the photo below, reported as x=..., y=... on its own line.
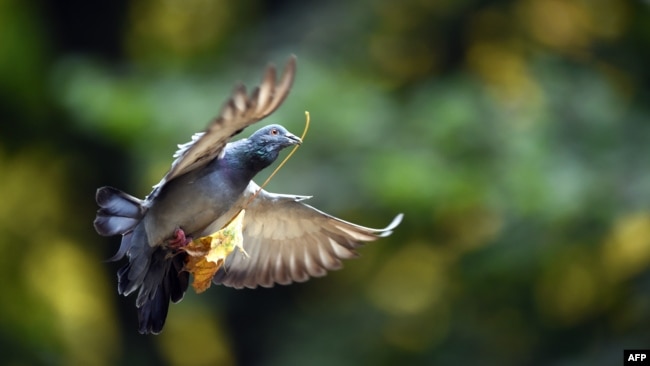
x=209, y=182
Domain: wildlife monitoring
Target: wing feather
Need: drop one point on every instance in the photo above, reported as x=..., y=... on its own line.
x=240, y=111
x=289, y=241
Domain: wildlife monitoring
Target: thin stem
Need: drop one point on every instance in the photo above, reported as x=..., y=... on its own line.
x=304, y=133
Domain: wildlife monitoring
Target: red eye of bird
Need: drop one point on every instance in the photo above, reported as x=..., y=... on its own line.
x=274, y=131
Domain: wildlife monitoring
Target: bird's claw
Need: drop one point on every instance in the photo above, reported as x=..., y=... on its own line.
x=180, y=240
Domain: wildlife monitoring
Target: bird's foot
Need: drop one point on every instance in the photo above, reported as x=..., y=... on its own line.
x=180, y=240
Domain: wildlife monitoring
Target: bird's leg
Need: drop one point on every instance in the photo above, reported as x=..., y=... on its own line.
x=179, y=240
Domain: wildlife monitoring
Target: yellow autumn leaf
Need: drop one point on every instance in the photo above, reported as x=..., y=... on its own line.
x=207, y=254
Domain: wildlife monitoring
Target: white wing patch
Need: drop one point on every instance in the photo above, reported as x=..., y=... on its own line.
x=182, y=148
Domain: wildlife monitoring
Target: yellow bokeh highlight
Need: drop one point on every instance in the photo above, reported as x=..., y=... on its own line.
x=193, y=336
x=70, y=284
x=572, y=26
x=504, y=69
x=469, y=228
x=392, y=47
x=571, y=288
x=410, y=287
x=626, y=250
x=60, y=298
x=410, y=281
x=557, y=23
x=182, y=28
x=420, y=332
x=26, y=194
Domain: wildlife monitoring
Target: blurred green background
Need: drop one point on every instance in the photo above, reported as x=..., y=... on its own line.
x=514, y=135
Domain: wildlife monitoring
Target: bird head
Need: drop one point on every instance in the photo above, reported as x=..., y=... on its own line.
x=274, y=137
x=267, y=142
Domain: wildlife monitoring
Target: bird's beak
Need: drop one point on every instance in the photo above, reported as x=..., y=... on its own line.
x=293, y=139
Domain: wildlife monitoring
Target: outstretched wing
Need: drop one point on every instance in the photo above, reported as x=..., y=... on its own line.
x=239, y=112
x=289, y=241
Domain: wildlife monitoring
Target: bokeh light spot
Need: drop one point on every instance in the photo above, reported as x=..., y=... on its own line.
x=70, y=283
x=409, y=282
x=626, y=250
x=569, y=291
x=193, y=336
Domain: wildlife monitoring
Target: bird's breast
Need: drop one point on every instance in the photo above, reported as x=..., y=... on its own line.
x=192, y=202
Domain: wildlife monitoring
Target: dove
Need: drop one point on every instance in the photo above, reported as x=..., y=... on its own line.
x=209, y=181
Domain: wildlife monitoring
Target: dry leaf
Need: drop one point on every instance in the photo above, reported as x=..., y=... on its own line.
x=207, y=254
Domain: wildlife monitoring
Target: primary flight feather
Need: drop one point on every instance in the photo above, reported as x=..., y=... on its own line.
x=208, y=183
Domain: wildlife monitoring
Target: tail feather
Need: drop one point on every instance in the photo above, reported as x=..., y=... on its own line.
x=165, y=280
x=152, y=315
x=157, y=276
x=179, y=279
x=118, y=213
x=124, y=247
x=143, y=259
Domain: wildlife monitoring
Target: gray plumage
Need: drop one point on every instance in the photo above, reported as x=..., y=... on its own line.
x=210, y=180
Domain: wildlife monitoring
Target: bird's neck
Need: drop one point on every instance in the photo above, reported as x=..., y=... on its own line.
x=249, y=157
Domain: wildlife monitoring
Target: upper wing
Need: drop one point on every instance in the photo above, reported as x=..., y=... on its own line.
x=239, y=112
x=288, y=241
